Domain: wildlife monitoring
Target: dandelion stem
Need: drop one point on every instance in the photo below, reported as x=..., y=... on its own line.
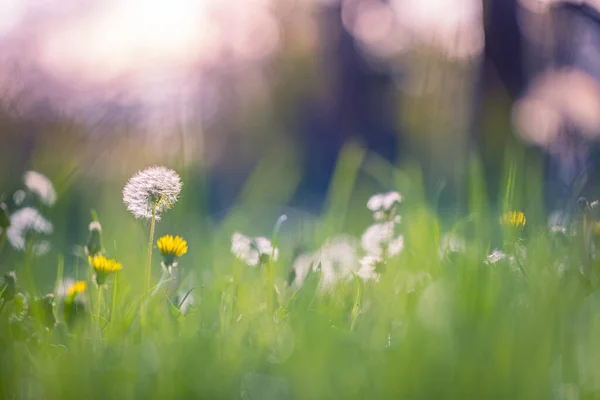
x=99, y=305
x=114, y=298
x=150, y=242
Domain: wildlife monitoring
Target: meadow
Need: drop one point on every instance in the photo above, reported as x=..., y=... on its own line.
x=379, y=296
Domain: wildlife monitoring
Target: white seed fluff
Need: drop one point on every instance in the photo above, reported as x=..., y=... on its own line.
x=24, y=221
x=252, y=250
x=384, y=201
x=154, y=185
x=41, y=186
x=368, y=268
x=381, y=236
x=338, y=259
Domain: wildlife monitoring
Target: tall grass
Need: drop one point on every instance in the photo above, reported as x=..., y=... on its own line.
x=447, y=325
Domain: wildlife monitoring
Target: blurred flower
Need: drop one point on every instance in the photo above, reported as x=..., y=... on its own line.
x=4, y=219
x=384, y=201
x=303, y=265
x=19, y=197
x=103, y=267
x=253, y=251
x=371, y=268
x=337, y=259
x=94, y=243
x=41, y=186
x=495, y=257
x=515, y=219
x=171, y=248
x=557, y=222
x=76, y=288
x=383, y=205
x=451, y=243
x=556, y=99
x=24, y=222
x=156, y=187
x=380, y=240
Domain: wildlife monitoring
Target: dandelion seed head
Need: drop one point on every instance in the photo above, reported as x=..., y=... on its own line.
x=25, y=221
x=384, y=201
x=338, y=259
x=253, y=251
x=158, y=186
x=41, y=186
x=380, y=238
x=369, y=267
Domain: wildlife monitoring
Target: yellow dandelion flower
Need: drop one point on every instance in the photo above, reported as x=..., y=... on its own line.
x=515, y=219
x=103, y=267
x=171, y=248
x=76, y=288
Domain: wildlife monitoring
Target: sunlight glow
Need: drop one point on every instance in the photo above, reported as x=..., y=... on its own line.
x=127, y=34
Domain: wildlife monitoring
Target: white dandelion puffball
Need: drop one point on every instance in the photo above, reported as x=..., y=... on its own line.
x=158, y=186
x=252, y=251
x=384, y=201
x=368, y=268
x=338, y=259
x=24, y=221
x=41, y=186
x=381, y=236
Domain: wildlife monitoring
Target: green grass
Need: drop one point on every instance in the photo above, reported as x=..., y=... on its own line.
x=431, y=327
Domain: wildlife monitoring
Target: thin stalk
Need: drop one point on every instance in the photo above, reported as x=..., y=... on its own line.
x=114, y=298
x=99, y=305
x=150, y=243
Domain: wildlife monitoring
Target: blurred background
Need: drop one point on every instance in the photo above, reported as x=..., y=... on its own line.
x=224, y=91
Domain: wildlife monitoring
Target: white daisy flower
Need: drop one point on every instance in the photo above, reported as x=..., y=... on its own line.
x=24, y=221
x=158, y=186
x=337, y=258
x=41, y=186
x=253, y=251
x=380, y=237
x=384, y=201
